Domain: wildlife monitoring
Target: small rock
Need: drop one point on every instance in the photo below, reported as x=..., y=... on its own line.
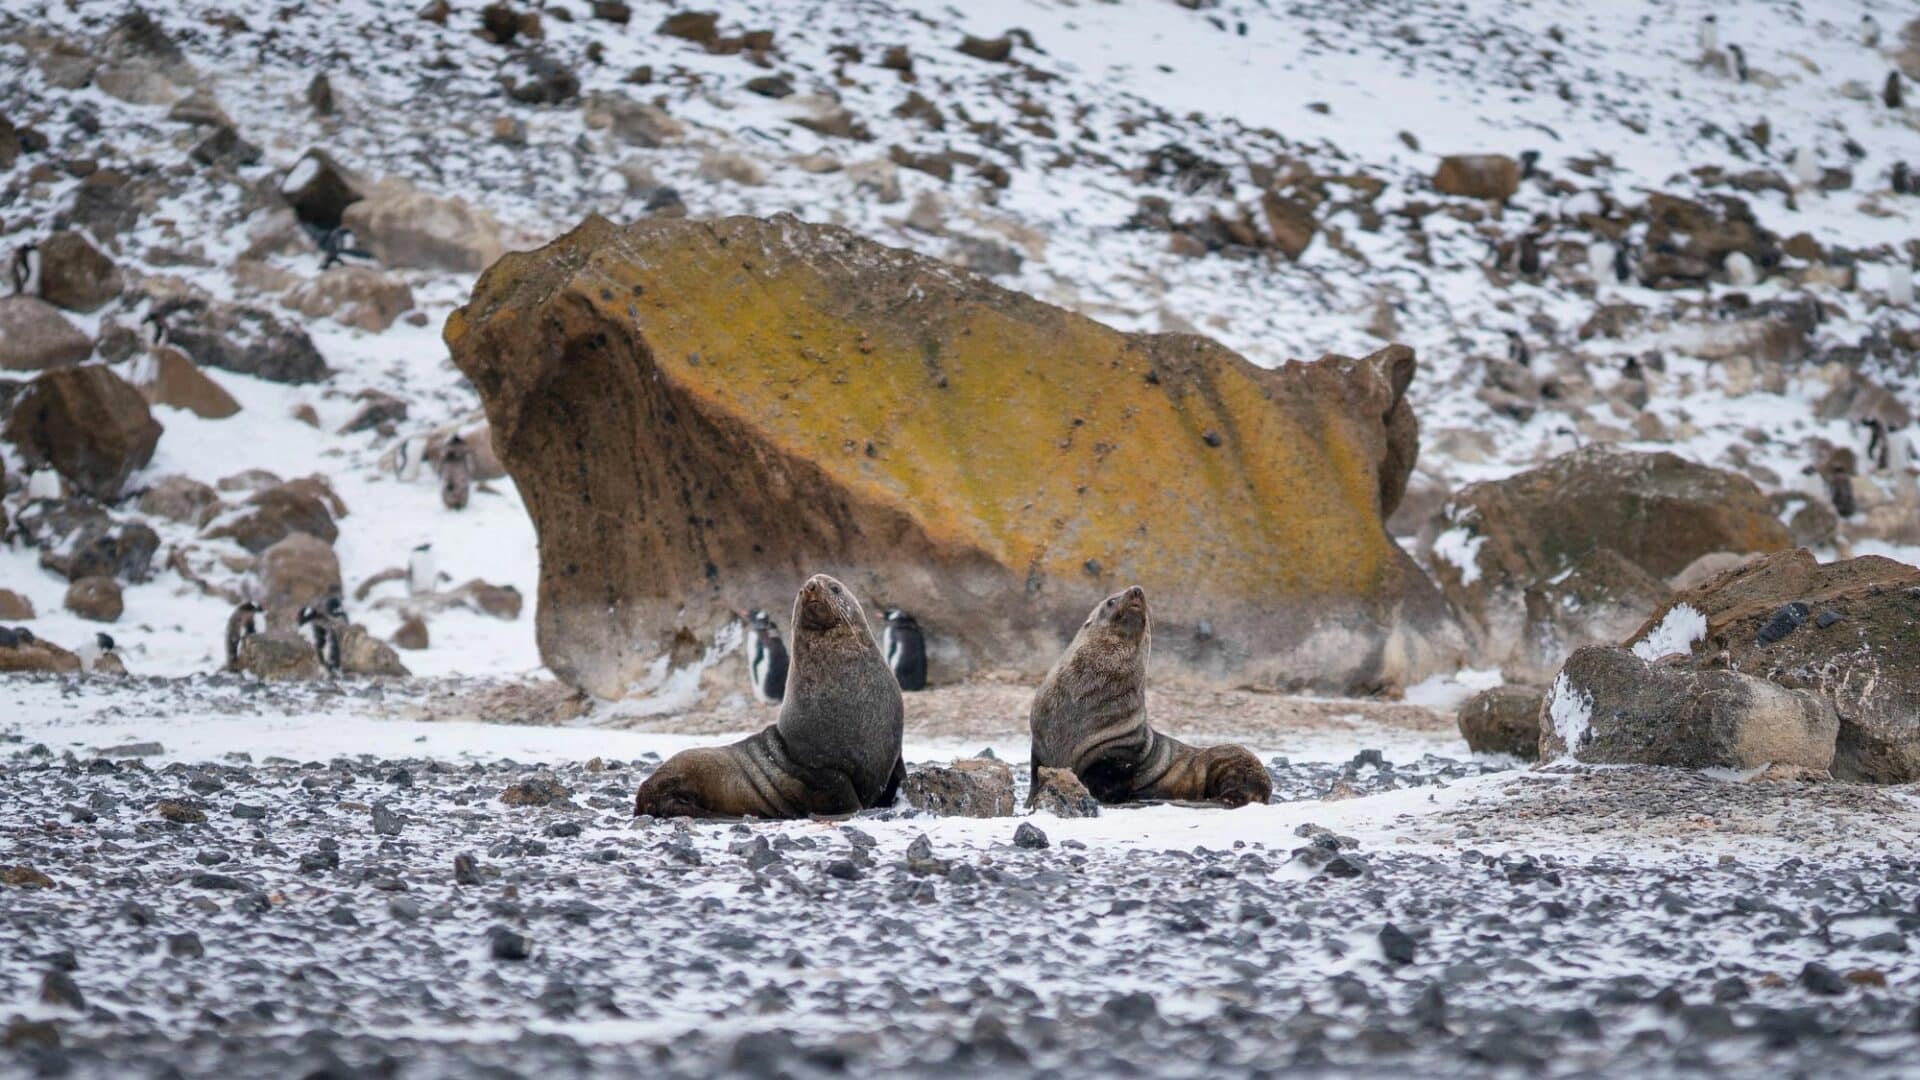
x=185, y=945
x=385, y=821
x=996, y=50
x=537, y=791
x=1818, y=978
x=24, y=877
x=505, y=944
x=1397, y=944
x=95, y=598
x=1060, y=792
x=466, y=870
x=180, y=813
x=1784, y=621
x=58, y=988
x=1029, y=837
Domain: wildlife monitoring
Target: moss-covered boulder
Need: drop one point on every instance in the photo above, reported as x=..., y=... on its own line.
x=701, y=413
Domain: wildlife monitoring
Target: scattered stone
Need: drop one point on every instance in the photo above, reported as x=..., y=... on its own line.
x=14, y=607
x=1398, y=946
x=536, y=791
x=1060, y=792
x=241, y=339
x=1503, y=720
x=187, y=814
x=75, y=275
x=1028, y=836
x=34, y=336
x=24, y=877
x=270, y=516
x=1478, y=176
x=995, y=50
x=356, y=296
x=970, y=787
x=180, y=499
x=505, y=944
x=168, y=377
x=412, y=634
x=280, y=657
x=699, y=27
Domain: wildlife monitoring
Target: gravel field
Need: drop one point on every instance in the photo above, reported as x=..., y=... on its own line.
x=316, y=913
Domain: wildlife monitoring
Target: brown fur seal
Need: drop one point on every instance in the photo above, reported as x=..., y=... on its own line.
x=835, y=748
x=1090, y=716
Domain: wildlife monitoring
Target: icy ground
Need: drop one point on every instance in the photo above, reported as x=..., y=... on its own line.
x=269, y=886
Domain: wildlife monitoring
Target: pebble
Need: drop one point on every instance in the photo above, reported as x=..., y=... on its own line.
x=1029, y=836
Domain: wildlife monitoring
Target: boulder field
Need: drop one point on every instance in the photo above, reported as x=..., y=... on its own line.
x=701, y=413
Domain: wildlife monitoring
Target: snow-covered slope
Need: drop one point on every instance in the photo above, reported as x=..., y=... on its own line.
x=1049, y=156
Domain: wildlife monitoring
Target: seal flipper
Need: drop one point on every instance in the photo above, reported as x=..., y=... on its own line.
x=892, y=791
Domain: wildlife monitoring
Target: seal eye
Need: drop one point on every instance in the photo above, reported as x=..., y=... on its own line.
x=835, y=588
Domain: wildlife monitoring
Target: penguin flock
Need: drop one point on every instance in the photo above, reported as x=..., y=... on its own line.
x=902, y=643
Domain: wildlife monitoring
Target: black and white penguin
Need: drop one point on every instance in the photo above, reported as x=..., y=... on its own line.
x=333, y=608
x=1902, y=180
x=326, y=636
x=1893, y=93
x=905, y=648
x=156, y=328
x=1869, y=31
x=99, y=657
x=456, y=473
x=26, y=269
x=1517, y=350
x=1739, y=62
x=10, y=638
x=242, y=624
x=1709, y=33
x=1529, y=161
x=1527, y=256
x=337, y=245
x=422, y=577
x=766, y=658
x=1623, y=263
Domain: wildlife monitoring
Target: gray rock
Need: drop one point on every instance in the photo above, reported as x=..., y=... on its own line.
x=970, y=787
x=1503, y=720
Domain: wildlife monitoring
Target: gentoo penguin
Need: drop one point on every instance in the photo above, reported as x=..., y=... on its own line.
x=1892, y=94
x=241, y=625
x=1805, y=168
x=1840, y=489
x=1899, y=284
x=766, y=658
x=1528, y=256
x=326, y=636
x=26, y=269
x=1902, y=181
x=1739, y=62
x=156, y=328
x=1869, y=31
x=1529, y=161
x=905, y=648
x=333, y=609
x=1740, y=269
x=1623, y=263
x=456, y=473
x=1709, y=33
x=99, y=657
x=337, y=245
x=1517, y=350
x=421, y=574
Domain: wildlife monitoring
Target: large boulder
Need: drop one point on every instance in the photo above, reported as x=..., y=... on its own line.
x=25, y=657
x=700, y=414
x=75, y=275
x=88, y=424
x=1688, y=241
x=970, y=787
x=1855, y=641
x=166, y=377
x=1574, y=552
x=270, y=516
x=408, y=228
x=319, y=189
x=1478, y=176
x=363, y=654
x=294, y=573
x=96, y=598
x=241, y=339
x=279, y=656
x=1503, y=720
x=1609, y=706
x=35, y=336
x=357, y=296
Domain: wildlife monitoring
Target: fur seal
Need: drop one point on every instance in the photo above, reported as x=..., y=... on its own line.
x=836, y=746
x=1090, y=716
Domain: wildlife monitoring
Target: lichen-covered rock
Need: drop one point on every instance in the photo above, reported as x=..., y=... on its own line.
x=1060, y=793
x=1598, y=527
x=1503, y=720
x=700, y=413
x=1611, y=707
x=1687, y=241
x=1856, y=643
x=1478, y=176
x=86, y=423
x=96, y=598
x=407, y=228
x=75, y=275
x=34, y=336
x=270, y=516
x=970, y=787
x=280, y=657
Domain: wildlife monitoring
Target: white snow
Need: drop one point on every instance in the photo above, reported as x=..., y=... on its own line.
x=1460, y=548
x=301, y=174
x=1448, y=691
x=1676, y=633
x=1570, y=711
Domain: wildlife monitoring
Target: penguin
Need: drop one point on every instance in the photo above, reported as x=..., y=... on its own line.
x=100, y=659
x=1739, y=62
x=26, y=269
x=1740, y=269
x=1869, y=31
x=1709, y=34
x=1528, y=259
x=1899, y=284
x=326, y=637
x=1622, y=263
x=1599, y=260
x=1805, y=169
x=240, y=625
x=456, y=473
x=1529, y=161
x=1517, y=350
x=337, y=245
x=905, y=648
x=421, y=576
x=333, y=609
x=1902, y=181
x=408, y=457
x=1893, y=93
x=766, y=658
x=9, y=638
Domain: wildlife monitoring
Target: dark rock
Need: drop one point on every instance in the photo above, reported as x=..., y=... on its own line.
x=78, y=539
x=58, y=989
x=1027, y=836
x=319, y=189
x=245, y=340
x=185, y=945
x=772, y=86
x=1060, y=792
x=270, y=516
x=75, y=275
x=1784, y=621
x=1398, y=946
x=95, y=598
x=505, y=944
x=1818, y=978
x=536, y=791
x=996, y=50
x=224, y=148
x=1503, y=720
x=466, y=870
x=700, y=27
x=547, y=81
x=86, y=423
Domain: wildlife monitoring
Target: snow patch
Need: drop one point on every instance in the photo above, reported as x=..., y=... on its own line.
x=1449, y=691
x=1676, y=633
x=301, y=174
x=1571, y=713
x=1461, y=548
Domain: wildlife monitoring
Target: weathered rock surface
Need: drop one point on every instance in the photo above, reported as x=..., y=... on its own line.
x=1575, y=552
x=408, y=228
x=363, y=654
x=294, y=573
x=75, y=275
x=1609, y=706
x=37, y=656
x=35, y=336
x=1060, y=792
x=270, y=516
x=245, y=340
x=280, y=657
x=357, y=296
x=1478, y=176
x=14, y=607
x=182, y=499
x=701, y=413
x=96, y=598
x=970, y=787
x=77, y=539
x=1503, y=720
x=166, y=377
x=1857, y=646
x=319, y=189
x=87, y=424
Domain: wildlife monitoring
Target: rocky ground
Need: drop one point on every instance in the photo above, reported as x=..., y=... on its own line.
x=462, y=906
